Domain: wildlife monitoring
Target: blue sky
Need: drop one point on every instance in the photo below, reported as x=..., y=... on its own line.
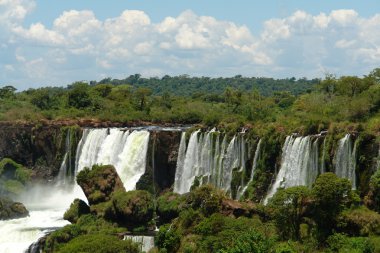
x=58, y=42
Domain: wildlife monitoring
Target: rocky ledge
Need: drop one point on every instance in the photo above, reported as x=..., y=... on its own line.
x=11, y=210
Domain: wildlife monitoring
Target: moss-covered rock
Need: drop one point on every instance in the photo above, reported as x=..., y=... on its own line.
x=76, y=210
x=13, y=177
x=99, y=183
x=12, y=210
x=169, y=206
x=206, y=198
x=133, y=208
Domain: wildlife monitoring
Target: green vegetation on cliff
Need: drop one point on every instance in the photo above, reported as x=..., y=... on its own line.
x=295, y=105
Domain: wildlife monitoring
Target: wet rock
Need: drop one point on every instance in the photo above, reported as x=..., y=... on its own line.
x=12, y=210
x=99, y=183
x=76, y=210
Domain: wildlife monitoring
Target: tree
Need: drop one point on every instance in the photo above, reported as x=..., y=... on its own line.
x=289, y=206
x=103, y=90
x=352, y=85
x=375, y=74
x=331, y=196
x=141, y=96
x=233, y=98
x=79, y=96
x=7, y=91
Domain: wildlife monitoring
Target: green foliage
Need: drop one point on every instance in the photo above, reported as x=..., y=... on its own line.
x=250, y=241
x=331, y=196
x=133, y=207
x=288, y=207
x=207, y=199
x=13, y=177
x=76, y=210
x=169, y=206
x=167, y=239
x=98, y=243
x=79, y=96
x=7, y=92
x=359, y=222
x=13, y=186
x=373, y=198
x=341, y=243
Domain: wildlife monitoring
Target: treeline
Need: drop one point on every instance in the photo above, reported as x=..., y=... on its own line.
x=296, y=105
x=185, y=85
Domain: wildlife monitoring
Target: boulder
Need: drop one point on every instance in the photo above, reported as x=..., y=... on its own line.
x=99, y=183
x=76, y=210
x=12, y=210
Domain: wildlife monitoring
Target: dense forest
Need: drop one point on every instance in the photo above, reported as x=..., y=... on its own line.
x=296, y=105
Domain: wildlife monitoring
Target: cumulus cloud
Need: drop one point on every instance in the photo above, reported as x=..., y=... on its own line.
x=79, y=46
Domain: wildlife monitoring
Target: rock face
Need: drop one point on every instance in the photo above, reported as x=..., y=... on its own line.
x=39, y=147
x=109, y=200
x=99, y=183
x=161, y=161
x=12, y=210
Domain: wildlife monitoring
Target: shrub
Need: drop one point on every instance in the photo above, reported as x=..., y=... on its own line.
x=359, y=222
x=288, y=207
x=134, y=207
x=372, y=200
x=99, y=243
x=76, y=210
x=207, y=199
x=342, y=243
x=331, y=196
x=167, y=239
x=169, y=205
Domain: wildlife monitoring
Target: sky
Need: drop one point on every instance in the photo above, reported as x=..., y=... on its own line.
x=50, y=43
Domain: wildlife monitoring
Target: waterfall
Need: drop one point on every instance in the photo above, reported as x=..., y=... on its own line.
x=299, y=164
x=345, y=159
x=146, y=242
x=46, y=205
x=377, y=164
x=180, y=163
x=125, y=151
x=65, y=171
x=243, y=187
x=323, y=162
x=208, y=160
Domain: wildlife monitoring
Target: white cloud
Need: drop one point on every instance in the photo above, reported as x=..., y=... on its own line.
x=79, y=46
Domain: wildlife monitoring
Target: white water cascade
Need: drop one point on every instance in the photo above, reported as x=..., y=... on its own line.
x=299, y=164
x=146, y=242
x=345, y=159
x=209, y=159
x=122, y=149
x=46, y=205
x=243, y=187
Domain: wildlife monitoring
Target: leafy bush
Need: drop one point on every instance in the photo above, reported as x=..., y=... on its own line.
x=169, y=205
x=133, y=207
x=99, y=243
x=167, y=239
x=331, y=196
x=342, y=243
x=372, y=200
x=359, y=222
x=289, y=207
x=207, y=199
x=76, y=210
